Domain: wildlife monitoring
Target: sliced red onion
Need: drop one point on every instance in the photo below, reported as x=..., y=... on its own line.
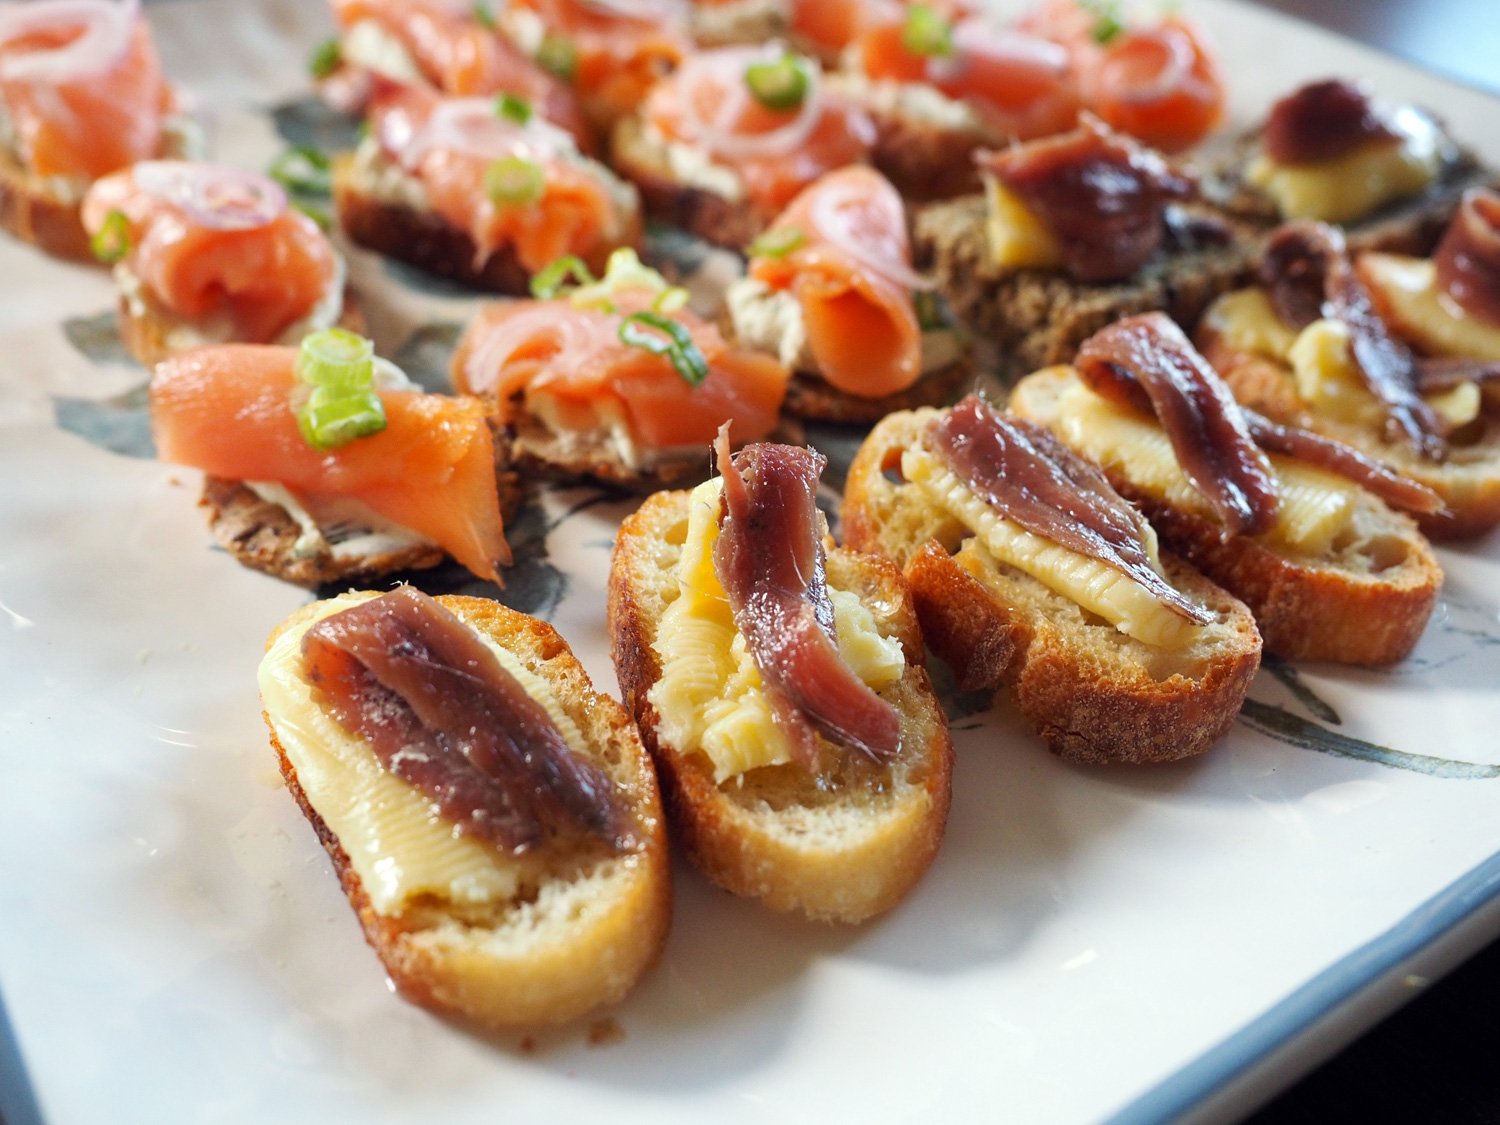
x=215, y=196
x=973, y=37
x=1176, y=72
x=884, y=252
x=470, y=126
x=106, y=24
x=718, y=135
x=642, y=11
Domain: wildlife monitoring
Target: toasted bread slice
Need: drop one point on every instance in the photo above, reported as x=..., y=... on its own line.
x=554, y=933
x=41, y=213
x=839, y=852
x=1037, y=317
x=1094, y=694
x=1365, y=600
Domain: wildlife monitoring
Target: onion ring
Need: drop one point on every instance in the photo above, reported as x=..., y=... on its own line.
x=215, y=196
x=105, y=37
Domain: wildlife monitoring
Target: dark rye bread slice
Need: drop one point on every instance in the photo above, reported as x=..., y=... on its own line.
x=1093, y=694
x=813, y=398
x=1034, y=317
x=842, y=850
x=263, y=535
x=583, y=929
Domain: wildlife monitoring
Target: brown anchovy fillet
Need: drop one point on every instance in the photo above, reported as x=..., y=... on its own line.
x=1101, y=195
x=1307, y=272
x=1443, y=373
x=769, y=559
x=1345, y=460
x=1468, y=257
x=1033, y=479
x=1322, y=121
x=1206, y=426
x=442, y=714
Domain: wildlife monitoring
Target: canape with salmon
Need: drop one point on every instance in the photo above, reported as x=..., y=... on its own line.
x=326, y=464
x=725, y=143
x=82, y=95
x=615, y=379
x=944, y=79
x=831, y=292
x=208, y=254
x=453, y=49
x=823, y=29
x=478, y=189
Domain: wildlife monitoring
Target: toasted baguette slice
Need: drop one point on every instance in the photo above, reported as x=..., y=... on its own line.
x=1039, y=317
x=838, y=853
x=711, y=215
x=1366, y=601
x=1468, y=479
x=1093, y=694
x=578, y=928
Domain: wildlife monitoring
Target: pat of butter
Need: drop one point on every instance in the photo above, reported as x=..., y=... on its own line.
x=710, y=696
x=1407, y=292
x=397, y=843
x=1246, y=322
x=1355, y=184
x=1018, y=240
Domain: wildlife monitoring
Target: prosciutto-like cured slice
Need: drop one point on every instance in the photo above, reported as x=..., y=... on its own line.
x=442, y=713
x=1305, y=259
x=1323, y=121
x=1101, y=195
x=1034, y=480
x=1208, y=430
x=1468, y=257
x=769, y=559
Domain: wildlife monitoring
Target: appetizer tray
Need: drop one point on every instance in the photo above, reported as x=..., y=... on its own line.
x=1090, y=943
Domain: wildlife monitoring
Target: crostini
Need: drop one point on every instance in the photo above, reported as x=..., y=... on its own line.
x=830, y=291
x=1301, y=528
x=780, y=689
x=1029, y=572
x=494, y=820
x=614, y=378
x=324, y=463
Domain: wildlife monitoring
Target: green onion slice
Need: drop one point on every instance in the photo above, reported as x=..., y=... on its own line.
x=932, y=312
x=1108, y=23
x=663, y=336
x=303, y=169
x=777, y=243
x=558, y=56
x=513, y=108
x=566, y=273
x=325, y=58
x=111, y=242
x=779, y=84
x=339, y=367
x=514, y=179
x=484, y=15
x=926, y=32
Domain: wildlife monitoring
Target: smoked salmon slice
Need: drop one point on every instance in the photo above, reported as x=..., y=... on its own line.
x=207, y=242
x=845, y=257
x=228, y=410
x=561, y=362
x=82, y=87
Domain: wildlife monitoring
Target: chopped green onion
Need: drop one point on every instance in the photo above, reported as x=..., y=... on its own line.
x=558, y=56
x=780, y=84
x=670, y=299
x=662, y=336
x=777, y=242
x=926, y=32
x=932, y=312
x=513, y=108
x=484, y=15
x=111, y=242
x=316, y=214
x=339, y=367
x=328, y=421
x=325, y=58
x=1108, y=25
x=303, y=169
x=553, y=280
x=514, y=179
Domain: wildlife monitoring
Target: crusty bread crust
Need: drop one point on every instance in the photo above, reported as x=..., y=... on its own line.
x=264, y=537
x=839, y=853
x=1093, y=694
x=1468, y=480
x=1035, y=318
x=1366, y=603
x=712, y=217
x=590, y=927
x=33, y=212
